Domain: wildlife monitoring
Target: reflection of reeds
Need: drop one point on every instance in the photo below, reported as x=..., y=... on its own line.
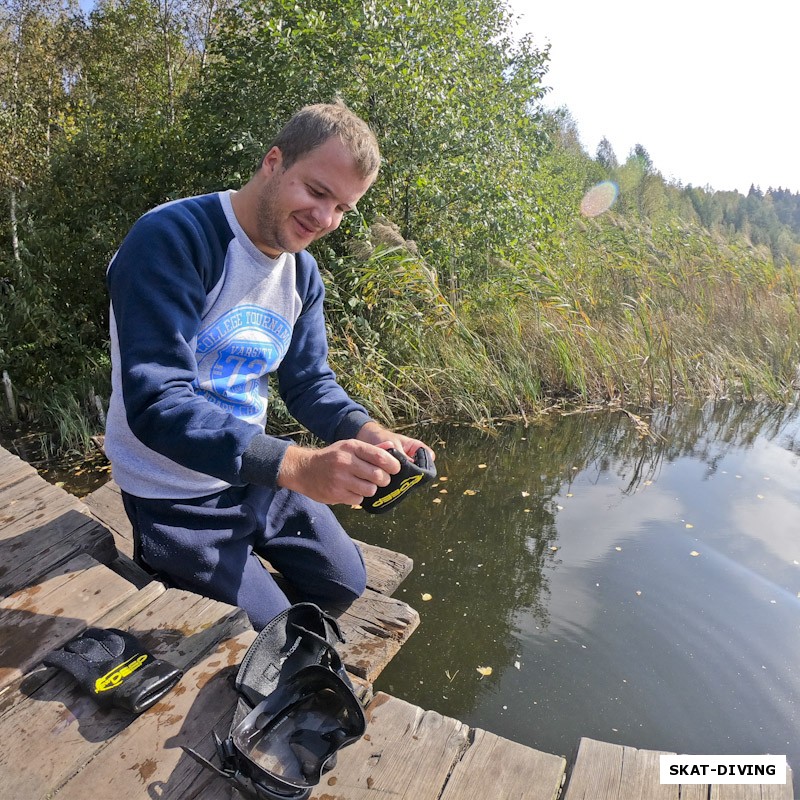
x=626, y=314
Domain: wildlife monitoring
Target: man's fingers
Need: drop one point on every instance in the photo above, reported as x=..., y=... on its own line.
x=377, y=457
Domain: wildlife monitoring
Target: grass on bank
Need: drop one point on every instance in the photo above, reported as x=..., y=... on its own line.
x=618, y=313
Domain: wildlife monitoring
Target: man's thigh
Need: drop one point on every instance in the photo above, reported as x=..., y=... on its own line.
x=305, y=542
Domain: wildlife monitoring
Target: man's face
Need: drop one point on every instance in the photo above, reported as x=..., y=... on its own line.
x=299, y=205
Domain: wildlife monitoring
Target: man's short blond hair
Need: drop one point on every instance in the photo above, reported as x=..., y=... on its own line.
x=313, y=125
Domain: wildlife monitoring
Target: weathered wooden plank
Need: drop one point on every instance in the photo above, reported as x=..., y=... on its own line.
x=105, y=504
x=32, y=501
x=406, y=752
x=386, y=569
x=695, y=791
x=41, y=548
x=494, y=768
x=41, y=617
x=597, y=773
x=375, y=628
x=641, y=776
x=605, y=771
x=766, y=791
x=13, y=468
x=58, y=719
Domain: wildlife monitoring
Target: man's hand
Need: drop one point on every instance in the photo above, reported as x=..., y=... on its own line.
x=344, y=472
x=373, y=433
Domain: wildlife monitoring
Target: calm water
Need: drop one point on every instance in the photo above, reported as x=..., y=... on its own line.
x=638, y=591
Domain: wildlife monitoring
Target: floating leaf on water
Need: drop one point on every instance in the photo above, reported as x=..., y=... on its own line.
x=648, y=483
x=470, y=492
x=638, y=593
x=554, y=548
x=618, y=549
x=694, y=553
x=560, y=508
x=517, y=665
x=485, y=672
x=760, y=496
x=426, y=596
x=689, y=525
x=569, y=494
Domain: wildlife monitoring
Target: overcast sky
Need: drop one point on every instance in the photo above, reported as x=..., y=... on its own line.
x=709, y=88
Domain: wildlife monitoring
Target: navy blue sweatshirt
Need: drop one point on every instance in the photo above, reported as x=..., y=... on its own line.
x=199, y=318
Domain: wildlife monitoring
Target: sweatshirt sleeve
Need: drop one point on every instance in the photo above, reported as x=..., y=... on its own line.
x=158, y=282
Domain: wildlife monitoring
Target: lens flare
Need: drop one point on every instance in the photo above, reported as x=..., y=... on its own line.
x=599, y=199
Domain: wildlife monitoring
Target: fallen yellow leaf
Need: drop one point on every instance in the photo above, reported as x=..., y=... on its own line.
x=481, y=466
x=470, y=492
x=426, y=596
x=437, y=499
x=694, y=553
x=526, y=494
x=485, y=671
x=689, y=525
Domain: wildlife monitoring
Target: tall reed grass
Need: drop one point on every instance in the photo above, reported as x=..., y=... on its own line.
x=614, y=313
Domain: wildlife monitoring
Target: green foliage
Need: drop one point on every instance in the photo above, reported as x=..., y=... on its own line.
x=451, y=97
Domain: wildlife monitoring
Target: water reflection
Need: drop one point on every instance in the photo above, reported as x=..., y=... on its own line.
x=638, y=590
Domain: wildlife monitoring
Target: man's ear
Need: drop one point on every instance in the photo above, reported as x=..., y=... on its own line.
x=272, y=162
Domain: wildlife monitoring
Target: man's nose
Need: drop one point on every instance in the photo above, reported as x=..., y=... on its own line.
x=327, y=217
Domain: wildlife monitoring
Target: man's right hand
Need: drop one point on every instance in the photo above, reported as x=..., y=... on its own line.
x=343, y=472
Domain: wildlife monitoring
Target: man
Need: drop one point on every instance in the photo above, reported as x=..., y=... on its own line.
x=210, y=295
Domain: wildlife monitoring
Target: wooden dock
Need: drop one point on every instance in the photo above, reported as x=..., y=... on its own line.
x=66, y=564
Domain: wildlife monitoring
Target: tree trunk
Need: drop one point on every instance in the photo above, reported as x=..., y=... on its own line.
x=14, y=227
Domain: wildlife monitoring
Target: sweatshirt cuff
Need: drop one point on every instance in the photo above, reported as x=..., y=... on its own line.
x=352, y=423
x=262, y=459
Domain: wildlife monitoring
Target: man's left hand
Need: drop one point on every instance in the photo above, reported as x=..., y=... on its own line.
x=372, y=433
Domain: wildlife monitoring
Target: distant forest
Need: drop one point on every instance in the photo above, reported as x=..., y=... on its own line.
x=768, y=218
